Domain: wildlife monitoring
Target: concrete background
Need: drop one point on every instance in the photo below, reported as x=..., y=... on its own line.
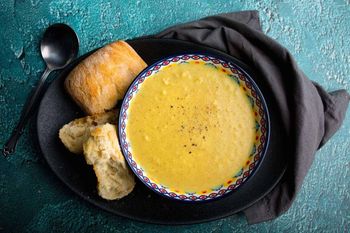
x=32, y=199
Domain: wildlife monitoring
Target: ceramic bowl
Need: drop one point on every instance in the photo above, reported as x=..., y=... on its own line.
x=262, y=125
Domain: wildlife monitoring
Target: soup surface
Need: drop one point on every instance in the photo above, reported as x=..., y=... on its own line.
x=191, y=127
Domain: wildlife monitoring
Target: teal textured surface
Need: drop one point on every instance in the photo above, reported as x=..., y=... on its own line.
x=31, y=197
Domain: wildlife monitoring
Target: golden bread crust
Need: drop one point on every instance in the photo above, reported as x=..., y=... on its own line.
x=99, y=81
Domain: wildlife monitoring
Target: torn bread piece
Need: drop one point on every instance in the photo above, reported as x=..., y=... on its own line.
x=114, y=178
x=75, y=133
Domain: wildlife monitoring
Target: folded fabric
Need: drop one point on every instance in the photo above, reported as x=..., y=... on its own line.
x=310, y=115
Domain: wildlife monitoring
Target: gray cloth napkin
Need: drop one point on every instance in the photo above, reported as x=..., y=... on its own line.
x=309, y=114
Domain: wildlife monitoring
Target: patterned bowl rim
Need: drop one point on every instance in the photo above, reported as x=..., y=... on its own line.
x=232, y=63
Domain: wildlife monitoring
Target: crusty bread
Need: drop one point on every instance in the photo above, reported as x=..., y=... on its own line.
x=99, y=81
x=114, y=178
x=76, y=132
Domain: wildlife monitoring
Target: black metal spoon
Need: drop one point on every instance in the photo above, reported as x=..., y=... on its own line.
x=59, y=46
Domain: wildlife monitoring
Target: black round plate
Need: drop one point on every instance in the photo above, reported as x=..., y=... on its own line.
x=57, y=109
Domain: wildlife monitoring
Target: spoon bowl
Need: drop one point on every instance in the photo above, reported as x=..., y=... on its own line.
x=59, y=46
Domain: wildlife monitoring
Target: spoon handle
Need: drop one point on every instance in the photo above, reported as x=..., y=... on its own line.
x=28, y=108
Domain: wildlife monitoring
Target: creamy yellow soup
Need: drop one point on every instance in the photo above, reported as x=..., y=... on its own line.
x=191, y=127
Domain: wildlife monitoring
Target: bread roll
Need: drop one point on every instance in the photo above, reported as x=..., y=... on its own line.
x=114, y=178
x=99, y=81
x=75, y=133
